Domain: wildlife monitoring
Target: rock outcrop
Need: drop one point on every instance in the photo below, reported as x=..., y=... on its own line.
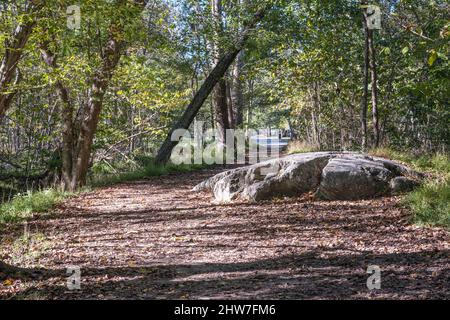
x=330, y=175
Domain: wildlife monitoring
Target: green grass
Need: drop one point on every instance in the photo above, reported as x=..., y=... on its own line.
x=22, y=206
x=436, y=163
x=298, y=146
x=430, y=203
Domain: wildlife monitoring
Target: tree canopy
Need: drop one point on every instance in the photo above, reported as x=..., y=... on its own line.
x=97, y=86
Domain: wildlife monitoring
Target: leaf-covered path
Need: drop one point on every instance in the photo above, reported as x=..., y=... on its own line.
x=156, y=239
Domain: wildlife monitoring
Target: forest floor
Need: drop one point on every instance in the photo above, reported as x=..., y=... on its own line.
x=156, y=239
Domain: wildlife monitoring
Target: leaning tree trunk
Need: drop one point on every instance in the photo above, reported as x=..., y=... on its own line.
x=191, y=111
x=9, y=72
x=202, y=94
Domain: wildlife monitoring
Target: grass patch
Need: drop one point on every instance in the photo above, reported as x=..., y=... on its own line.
x=298, y=146
x=430, y=203
x=437, y=163
x=22, y=206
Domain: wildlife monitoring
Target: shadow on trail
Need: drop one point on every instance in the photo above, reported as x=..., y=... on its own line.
x=305, y=276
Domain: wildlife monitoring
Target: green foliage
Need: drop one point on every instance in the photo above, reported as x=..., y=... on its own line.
x=430, y=203
x=298, y=146
x=437, y=164
x=23, y=206
x=301, y=49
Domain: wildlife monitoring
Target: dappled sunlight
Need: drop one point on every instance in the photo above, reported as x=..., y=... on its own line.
x=285, y=248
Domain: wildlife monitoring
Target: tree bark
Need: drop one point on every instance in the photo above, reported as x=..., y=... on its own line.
x=67, y=111
x=374, y=84
x=250, y=104
x=91, y=113
x=219, y=96
x=364, y=102
x=13, y=53
x=230, y=105
x=82, y=149
x=202, y=94
x=316, y=109
x=237, y=96
x=221, y=109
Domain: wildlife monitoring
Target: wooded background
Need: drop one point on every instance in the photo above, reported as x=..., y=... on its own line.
x=101, y=98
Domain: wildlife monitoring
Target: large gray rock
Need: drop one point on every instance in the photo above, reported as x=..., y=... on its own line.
x=402, y=184
x=330, y=175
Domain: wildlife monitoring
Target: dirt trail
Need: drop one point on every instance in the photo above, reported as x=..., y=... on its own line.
x=157, y=239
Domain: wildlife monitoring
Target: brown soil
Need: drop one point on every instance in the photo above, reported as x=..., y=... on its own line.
x=156, y=239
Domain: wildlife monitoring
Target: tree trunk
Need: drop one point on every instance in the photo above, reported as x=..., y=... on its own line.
x=76, y=153
x=191, y=111
x=363, y=116
x=221, y=109
x=250, y=104
x=67, y=111
x=219, y=96
x=202, y=94
x=237, y=96
x=13, y=52
x=231, y=115
x=373, y=70
x=315, y=110
x=91, y=113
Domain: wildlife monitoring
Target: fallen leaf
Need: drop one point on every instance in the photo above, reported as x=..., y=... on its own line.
x=8, y=282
